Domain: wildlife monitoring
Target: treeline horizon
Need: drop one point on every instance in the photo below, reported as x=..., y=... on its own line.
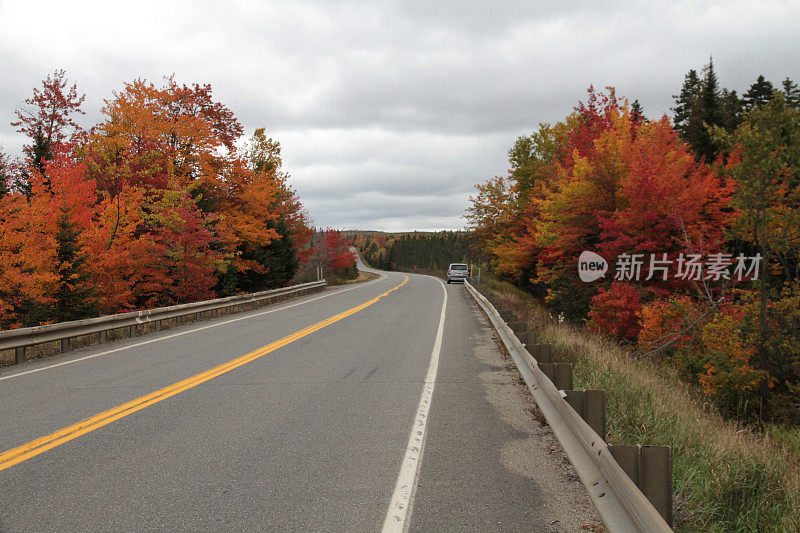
x=418, y=250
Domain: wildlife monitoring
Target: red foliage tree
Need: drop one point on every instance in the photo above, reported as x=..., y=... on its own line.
x=617, y=312
x=51, y=111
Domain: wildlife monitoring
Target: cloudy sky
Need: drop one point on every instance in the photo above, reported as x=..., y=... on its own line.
x=390, y=112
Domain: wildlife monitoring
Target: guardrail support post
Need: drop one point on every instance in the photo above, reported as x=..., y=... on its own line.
x=157, y=325
x=563, y=376
x=133, y=331
x=559, y=373
x=529, y=340
x=544, y=353
x=64, y=345
x=102, y=336
x=650, y=468
x=19, y=355
x=591, y=405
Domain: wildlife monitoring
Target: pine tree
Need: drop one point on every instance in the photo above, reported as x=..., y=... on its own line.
x=279, y=259
x=759, y=94
x=685, y=101
x=75, y=294
x=791, y=93
x=37, y=155
x=709, y=114
x=731, y=109
x=637, y=113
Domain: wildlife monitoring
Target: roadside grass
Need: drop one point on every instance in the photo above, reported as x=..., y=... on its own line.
x=726, y=477
x=362, y=277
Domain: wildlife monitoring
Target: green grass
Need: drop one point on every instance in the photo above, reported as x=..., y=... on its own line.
x=725, y=476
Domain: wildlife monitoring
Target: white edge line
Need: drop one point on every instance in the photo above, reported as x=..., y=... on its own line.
x=399, y=513
x=193, y=330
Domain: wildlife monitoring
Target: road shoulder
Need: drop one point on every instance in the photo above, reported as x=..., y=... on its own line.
x=490, y=461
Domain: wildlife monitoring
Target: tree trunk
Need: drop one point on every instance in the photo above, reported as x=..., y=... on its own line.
x=762, y=341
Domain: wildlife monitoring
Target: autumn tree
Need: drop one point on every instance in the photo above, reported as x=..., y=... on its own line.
x=766, y=166
x=27, y=273
x=48, y=120
x=331, y=252
x=51, y=110
x=635, y=189
x=155, y=205
x=173, y=138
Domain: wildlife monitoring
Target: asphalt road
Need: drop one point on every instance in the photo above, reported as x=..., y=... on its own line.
x=307, y=434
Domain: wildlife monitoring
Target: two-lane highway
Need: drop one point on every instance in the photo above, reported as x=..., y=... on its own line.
x=292, y=417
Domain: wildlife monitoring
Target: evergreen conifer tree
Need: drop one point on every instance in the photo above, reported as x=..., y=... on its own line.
x=637, y=113
x=37, y=155
x=791, y=93
x=685, y=101
x=75, y=295
x=759, y=94
x=731, y=109
x=710, y=113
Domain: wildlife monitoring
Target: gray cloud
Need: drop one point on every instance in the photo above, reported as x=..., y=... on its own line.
x=390, y=112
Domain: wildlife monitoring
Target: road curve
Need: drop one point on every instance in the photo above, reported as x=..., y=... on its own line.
x=290, y=417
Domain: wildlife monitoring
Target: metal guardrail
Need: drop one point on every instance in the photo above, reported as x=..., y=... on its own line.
x=620, y=502
x=19, y=339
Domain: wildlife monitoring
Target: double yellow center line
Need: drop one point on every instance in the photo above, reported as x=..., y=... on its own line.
x=42, y=444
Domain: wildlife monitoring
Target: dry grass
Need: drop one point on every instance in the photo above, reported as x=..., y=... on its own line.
x=362, y=277
x=725, y=476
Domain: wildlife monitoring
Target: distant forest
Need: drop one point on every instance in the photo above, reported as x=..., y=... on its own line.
x=414, y=251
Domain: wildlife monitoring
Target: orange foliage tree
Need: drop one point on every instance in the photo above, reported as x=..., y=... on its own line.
x=155, y=205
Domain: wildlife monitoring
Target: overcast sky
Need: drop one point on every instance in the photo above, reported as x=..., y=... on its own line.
x=390, y=112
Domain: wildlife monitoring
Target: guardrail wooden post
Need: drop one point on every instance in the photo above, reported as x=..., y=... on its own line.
x=544, y=353
x=133, y=331
x=65, y=345
x=529, y=340
x=559, y=373
x=19, y=355
x=650, y=468
x=563, y=376
x=102, y=336
x=591, y=405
